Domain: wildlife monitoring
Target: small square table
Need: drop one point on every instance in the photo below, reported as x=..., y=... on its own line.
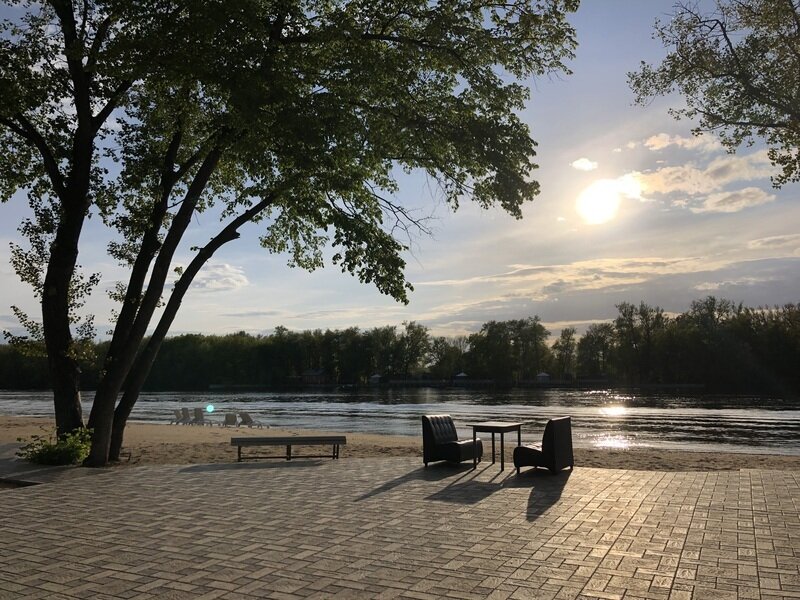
x=493, y=427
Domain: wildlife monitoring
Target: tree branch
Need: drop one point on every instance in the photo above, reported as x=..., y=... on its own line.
x=149, y=245
x=80, y=80
x=26, y=130
x=97, y=42
x=105, y=112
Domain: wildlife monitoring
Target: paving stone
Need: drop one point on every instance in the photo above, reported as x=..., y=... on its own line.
x=389, y=528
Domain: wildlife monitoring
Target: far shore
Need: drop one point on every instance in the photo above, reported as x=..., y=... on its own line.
x=154, y=444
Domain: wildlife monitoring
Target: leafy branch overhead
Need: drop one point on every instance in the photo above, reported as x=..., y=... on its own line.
x=292, y=116
x=738, y=69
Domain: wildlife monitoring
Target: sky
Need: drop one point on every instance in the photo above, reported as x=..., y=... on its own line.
x=632, y=208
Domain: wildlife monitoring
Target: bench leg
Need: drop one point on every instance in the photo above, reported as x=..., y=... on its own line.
x=289, y=452
x=239, y=454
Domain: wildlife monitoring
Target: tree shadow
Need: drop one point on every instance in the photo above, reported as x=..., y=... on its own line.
x=546, y=489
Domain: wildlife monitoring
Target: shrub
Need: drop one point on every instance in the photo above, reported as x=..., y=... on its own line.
x=69, y=449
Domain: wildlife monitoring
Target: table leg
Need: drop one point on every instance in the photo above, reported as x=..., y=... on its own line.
x=493, y=447
x=474, y=453
x=502, y=452
x=519, y=441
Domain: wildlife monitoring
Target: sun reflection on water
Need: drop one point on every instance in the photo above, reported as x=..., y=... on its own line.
x=611, y=440
x=614, y=442
x=613, y=411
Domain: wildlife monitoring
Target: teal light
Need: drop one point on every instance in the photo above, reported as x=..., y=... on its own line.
x=210, y=408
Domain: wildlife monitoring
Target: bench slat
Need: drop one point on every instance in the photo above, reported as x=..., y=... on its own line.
x=299, y=440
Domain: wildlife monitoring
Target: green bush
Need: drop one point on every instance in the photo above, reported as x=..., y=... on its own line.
x=69, y=449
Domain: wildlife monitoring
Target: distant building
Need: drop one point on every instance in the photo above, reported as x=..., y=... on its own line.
x=543, y=377
x=461, y=378
x=314, y=377
x=375, y=379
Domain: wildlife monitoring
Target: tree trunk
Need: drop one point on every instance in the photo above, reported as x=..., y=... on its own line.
x=102, y=415
x=65, y=375
x=64, y=369
x=126, y=341
x=144, y=361
x=133, y=385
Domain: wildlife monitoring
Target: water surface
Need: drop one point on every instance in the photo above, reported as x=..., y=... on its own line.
x=600, y=418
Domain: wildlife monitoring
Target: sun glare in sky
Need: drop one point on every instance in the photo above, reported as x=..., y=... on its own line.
x=599, y=202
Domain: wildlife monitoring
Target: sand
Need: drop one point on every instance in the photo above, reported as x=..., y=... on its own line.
x=149, y=443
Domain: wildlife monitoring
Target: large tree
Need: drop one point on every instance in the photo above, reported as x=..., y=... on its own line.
x=564, y=354
x=292, y=115
x=509, y=351
x=637, y=329
x=737, y=67
x=594, y=351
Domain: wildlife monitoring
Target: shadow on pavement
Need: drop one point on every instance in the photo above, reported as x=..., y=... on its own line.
x=546, y=489
x=249, y=466
x=433, y=472
x=466, y=492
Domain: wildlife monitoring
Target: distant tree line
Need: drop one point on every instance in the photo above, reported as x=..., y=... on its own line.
x=716, y=343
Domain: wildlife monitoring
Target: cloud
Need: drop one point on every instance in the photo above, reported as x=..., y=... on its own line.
x=220, y=277
x=587, y=291
x=584, y=164
x=696, y=181
x=702, y=142
x=775, y=242
x=541, y=282
x=252, y=313
x=730, y=202
x=711, y=286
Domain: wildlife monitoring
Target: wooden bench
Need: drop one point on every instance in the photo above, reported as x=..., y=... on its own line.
x=289, y=441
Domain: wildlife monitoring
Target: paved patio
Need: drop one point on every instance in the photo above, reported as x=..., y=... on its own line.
x=387, y=528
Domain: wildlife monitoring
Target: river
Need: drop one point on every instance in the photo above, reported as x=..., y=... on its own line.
x=600, y=419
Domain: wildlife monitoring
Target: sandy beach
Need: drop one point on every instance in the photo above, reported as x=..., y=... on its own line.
x=149, y=443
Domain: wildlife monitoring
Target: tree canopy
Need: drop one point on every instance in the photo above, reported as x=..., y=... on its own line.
x=738, y=69
x=292, y=115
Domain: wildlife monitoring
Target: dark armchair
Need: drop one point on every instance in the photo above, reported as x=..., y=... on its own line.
x=440, y=441
x=555, y=451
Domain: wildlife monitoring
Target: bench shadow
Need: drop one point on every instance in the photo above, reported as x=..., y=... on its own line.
x=285, y=464
x=546, y=489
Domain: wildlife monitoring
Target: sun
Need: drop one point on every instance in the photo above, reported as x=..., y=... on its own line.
x=599, y=202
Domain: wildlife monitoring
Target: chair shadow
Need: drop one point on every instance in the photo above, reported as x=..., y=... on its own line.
x=472, y=492
x=546, y=489
x=434, y=472
x=466, y=492
x=237, y=466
